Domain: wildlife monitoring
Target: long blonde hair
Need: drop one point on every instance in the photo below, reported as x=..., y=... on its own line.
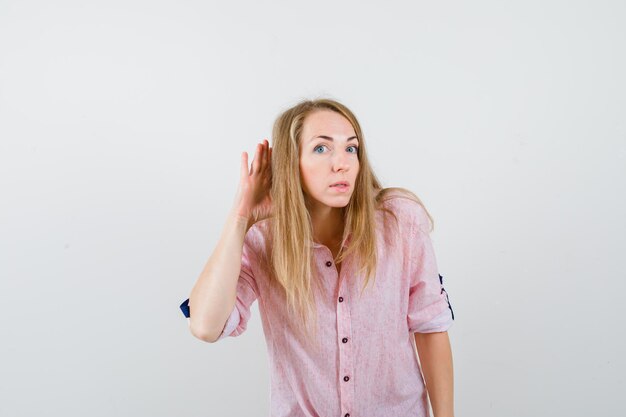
x=290, y=228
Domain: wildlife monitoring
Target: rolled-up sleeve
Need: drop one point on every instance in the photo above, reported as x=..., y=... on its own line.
x=247, y=293
x=429, y=308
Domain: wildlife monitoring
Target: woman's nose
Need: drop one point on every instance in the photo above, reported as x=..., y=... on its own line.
x=340, y=161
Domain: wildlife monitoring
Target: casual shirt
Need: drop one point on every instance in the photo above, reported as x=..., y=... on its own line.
x=367, y=365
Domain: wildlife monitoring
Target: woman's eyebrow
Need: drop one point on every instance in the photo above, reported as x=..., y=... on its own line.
x=331, y=139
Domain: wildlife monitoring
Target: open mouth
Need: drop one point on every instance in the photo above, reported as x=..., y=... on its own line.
x=341, y=187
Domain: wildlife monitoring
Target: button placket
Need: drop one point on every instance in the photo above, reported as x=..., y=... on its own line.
x=346, y=353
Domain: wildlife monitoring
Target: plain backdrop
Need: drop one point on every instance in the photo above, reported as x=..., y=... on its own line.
x=122, y=125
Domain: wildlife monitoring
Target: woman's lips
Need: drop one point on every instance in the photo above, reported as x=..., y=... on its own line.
x=340, y=188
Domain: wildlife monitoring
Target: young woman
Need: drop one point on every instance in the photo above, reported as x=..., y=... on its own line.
x=344, y=272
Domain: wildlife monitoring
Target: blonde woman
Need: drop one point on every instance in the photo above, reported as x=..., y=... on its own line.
x=353, y=308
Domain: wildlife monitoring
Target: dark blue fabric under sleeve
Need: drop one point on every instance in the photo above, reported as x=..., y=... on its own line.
x=185, y=307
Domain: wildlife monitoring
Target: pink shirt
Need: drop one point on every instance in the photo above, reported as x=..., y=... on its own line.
x=368, y=364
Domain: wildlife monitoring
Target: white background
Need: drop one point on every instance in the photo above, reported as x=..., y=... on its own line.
x=121, y=129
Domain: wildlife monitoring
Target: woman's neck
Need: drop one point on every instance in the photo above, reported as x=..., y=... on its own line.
x=328, y=225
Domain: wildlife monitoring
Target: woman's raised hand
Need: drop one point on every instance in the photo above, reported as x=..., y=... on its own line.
x=253, y=200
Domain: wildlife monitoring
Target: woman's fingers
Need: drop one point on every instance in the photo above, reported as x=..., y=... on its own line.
x=268, y=160
x=244, y=165
x=256, y=162
x=262, y=158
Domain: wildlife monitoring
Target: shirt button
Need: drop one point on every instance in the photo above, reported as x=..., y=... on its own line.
x=344, y=340
x=329, y=263
x=346, y=378
x=341, y=299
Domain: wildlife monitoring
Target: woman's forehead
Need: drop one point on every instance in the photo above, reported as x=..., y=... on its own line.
x=327, y=123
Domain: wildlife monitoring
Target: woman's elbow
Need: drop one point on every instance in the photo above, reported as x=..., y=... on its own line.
x=202, y=333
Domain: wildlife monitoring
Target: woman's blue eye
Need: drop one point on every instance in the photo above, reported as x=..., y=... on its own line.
x=356, y=148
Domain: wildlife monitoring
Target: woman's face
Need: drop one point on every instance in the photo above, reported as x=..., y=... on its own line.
x=328, y=154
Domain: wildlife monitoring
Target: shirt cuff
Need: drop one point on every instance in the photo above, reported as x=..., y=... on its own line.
x=439, y=323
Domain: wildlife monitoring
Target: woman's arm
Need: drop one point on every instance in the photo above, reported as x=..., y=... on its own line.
x=435, y=355
x=213, y=296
